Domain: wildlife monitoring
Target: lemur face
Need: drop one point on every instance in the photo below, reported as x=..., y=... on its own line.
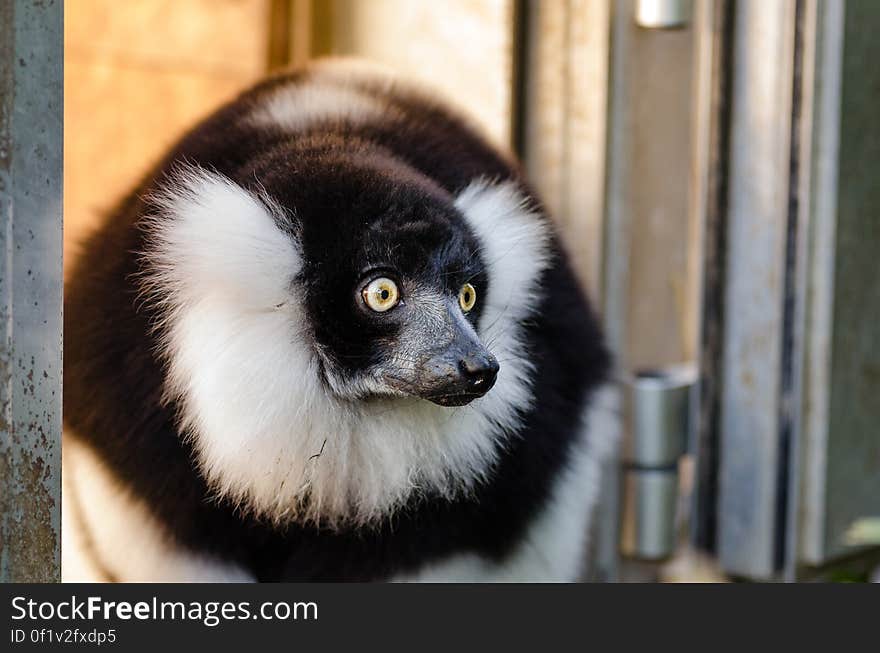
x=393, y=293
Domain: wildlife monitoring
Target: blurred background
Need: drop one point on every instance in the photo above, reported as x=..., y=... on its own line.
x=713, y=166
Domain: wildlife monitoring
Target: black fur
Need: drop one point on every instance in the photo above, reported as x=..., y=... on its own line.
x=422, y=153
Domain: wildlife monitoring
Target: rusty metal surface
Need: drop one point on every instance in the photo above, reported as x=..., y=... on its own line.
x=751, y=455
x=31, y=83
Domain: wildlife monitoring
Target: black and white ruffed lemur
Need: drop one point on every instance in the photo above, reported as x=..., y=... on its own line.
x=331, y=336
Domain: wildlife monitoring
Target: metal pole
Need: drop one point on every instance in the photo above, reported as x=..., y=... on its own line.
x=763, y=229
x=31, y=115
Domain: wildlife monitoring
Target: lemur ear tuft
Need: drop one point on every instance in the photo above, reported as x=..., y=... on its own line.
x=209, y=237
x=516, y=242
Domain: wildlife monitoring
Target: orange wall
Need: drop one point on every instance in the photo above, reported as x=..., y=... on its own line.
x=137, y=74
x=140, y=72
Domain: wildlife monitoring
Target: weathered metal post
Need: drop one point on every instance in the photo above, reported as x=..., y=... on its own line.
x=31, y=117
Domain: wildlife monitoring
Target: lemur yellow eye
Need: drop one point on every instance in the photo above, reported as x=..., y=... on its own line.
x=467, y=297
x=381, y=294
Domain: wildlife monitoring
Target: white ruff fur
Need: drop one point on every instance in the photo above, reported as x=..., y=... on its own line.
x=111, y=520
x=331, y=92
x=314, y=101
x=554, y=546
x=327, y=94
x=246, y=378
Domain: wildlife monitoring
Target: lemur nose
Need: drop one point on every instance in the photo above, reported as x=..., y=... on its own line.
x=480, y=370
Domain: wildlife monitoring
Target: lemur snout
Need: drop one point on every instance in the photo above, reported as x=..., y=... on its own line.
x=457, y=379
x=479, y=370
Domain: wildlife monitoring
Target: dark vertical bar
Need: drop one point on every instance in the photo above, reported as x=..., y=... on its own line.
x=278, y=55
x=704, y=524
x=323, y=18
x=789, y=381
x=31, y=116
x=519, y=82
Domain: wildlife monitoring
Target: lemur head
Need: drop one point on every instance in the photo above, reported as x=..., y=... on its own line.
x=393, y=280
x=331, y=326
